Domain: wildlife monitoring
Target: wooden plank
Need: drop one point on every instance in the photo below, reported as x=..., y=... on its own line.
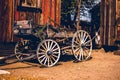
x=108, y=21
x=6, y=9
x=52, y=9
x=58, y=11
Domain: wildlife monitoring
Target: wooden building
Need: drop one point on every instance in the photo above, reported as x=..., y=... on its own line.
x=14, y=10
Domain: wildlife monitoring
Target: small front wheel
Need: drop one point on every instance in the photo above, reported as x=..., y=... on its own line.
x=22, y=49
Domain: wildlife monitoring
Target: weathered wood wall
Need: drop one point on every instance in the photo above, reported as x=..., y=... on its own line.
x=10, y=13
x=6, y=18
x=118, y=20
x=108, y=20
x=21, y=14
x=51, y=8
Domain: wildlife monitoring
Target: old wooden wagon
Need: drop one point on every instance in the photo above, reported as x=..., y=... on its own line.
x=47, y=43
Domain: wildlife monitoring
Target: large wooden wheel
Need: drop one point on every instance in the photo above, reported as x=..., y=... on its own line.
x=81, y=45
x=22, y=49
x=48, y=53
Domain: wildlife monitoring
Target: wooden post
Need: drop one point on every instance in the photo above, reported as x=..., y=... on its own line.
x=101, y=21
x=78, y=22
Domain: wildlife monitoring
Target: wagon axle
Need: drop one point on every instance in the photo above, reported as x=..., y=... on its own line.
x=49, y=52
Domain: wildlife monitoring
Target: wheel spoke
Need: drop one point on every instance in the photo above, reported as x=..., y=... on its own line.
x=85, y=53
x=76, y=55
x=80, y=54
x=79, y=57
x=55, y=52
x=81, y=35
x=84, y=35
x=43, y=59
x=75, y=46
x=82, y=38
x=53, y=58
x=41, y=56
x=86, y=48
x=19, y=53
x=51, y=45
x=19, y=56
x=76, y=50
x=43, y=46
x=76, y=42
x=41, y=50
x=56, y=49
x=41, y=53
x=88, y=45
x=48, y=61
x=85, y=39
x=87, y=42
x=46, y=45
x=77, y=39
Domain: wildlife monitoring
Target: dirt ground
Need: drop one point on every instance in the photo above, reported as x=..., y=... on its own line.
x=102, y=66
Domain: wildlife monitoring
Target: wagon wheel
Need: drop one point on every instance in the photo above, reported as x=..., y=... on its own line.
x=48, y=53
x=22, y=49
x=81, y=45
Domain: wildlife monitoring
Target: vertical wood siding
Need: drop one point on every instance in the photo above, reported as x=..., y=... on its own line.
x=6, y=9
x=51, y=8
x=108, y=15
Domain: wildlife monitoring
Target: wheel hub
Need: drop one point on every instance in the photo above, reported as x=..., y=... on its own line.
x=49, y=53
x=82, y=45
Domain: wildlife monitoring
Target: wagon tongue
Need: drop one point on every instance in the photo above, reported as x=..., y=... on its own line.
x=28, y=58
x=8, y=57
